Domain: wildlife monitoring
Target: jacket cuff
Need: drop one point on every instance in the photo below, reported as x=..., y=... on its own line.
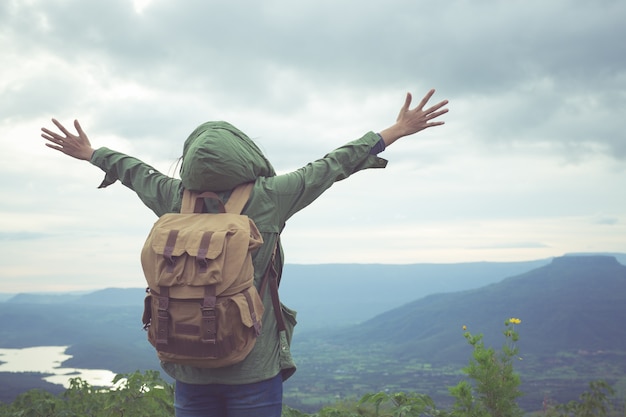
x=98, y=158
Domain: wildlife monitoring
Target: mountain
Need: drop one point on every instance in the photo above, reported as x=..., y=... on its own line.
x=331, y=295
x=42, y=298
x=318, y=292
x=5, y=296
x=570, y=334
x=573, y=304
x=103, y=327
x=109, y=296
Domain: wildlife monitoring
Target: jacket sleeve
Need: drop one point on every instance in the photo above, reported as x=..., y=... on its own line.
x=157, y=191
x=296, y=190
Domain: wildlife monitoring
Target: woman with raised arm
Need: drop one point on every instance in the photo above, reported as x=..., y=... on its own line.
x=217, y=157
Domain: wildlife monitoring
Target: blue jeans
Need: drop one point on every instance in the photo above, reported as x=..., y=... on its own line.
x=259, y=399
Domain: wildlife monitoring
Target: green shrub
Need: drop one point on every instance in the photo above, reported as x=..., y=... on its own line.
x=133, y=395
x=495, y=387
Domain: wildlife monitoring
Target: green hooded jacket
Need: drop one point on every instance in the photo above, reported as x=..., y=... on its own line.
x=217, y=157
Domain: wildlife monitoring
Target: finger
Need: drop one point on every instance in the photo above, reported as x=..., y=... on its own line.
x=57, y=142
x=407, y=102
x=79, y=129
x=434, y=115
x=405, y=107
x=426, y=98
x=433, y=124
x=61, y=127
x=48, y=134
x=437, y=106
x=55, y=147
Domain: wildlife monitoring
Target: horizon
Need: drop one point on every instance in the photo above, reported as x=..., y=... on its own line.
x=88, y=290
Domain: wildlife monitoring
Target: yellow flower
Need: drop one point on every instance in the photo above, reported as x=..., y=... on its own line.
x=464, y=327
x=514, y=320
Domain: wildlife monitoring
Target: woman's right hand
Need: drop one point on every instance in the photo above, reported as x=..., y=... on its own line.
x=76, y=146
x=411, y=121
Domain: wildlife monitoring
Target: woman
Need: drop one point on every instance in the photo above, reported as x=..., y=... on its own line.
x=217, y=157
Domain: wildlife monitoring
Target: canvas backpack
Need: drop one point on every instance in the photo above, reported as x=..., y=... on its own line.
x=202, y=308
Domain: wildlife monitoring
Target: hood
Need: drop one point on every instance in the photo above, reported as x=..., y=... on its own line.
x=217, y=157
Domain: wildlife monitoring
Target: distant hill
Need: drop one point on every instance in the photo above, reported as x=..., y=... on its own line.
x=103, y=327
x=107, y=296
x=47, y=298
x=574, y=303
x=333, y=295
x=4, y=297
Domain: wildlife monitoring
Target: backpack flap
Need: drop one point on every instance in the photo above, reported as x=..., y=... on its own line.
x=190, y=250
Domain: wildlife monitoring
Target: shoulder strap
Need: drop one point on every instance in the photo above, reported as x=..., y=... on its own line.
x=238, y=198
x=193, y=202
x=271, y=278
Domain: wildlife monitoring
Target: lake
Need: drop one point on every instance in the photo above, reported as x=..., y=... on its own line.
x=49, y=360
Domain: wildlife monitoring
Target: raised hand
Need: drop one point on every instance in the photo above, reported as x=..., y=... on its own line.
x=411, y=121
x=76, y=146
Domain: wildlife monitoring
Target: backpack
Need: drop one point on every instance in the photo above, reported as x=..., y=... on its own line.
x=202, y=308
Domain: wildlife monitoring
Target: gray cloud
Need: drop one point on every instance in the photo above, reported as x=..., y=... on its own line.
x=535, y=131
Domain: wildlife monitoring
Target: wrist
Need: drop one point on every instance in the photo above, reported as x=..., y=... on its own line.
x=390, y=135
x=88, y=154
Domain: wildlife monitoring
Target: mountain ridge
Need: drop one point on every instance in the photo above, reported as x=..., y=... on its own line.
x=569, y=304
x=317, y=291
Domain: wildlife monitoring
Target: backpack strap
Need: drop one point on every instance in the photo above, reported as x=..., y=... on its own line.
x=163, y=316
x=276, y=302
x=238, y=198
x=271, y=278
x=193, y=202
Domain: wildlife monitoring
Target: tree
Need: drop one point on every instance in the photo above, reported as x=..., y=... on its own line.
x=133, y=395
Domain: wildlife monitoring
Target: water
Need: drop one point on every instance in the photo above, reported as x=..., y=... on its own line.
x=49, y=360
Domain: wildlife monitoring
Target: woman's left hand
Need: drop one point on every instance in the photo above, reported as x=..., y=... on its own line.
x=76, y=146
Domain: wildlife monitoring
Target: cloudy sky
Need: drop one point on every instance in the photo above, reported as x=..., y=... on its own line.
x=530, y=164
